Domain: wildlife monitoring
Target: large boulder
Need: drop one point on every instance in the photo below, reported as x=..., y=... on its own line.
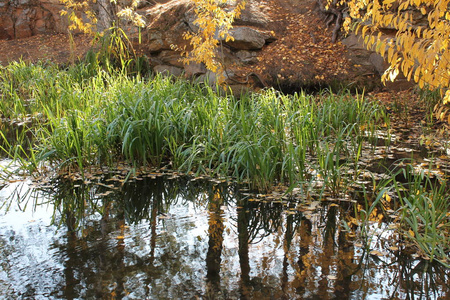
x=247, y=38
x=370, y=62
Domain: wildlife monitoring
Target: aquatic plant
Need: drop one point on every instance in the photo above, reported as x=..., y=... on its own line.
x=424, y=213
x=86, y=115
x=264, y=139
x=417, y=206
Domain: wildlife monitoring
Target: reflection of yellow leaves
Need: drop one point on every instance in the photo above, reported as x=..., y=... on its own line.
x=380, y=217
x=353, y=221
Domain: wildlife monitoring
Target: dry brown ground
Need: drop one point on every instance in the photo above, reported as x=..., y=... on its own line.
x=45, y=47
x=303, y=52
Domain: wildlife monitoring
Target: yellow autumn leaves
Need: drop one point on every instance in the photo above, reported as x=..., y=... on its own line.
x=75, y=20
x=83, y=18
x=214, y=20
x=420, y=49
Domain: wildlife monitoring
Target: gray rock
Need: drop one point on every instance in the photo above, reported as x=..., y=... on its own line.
x=247, y=57
x=254, y=14
x=169, y=57
x=194, y=69
x=378, y=62
x=246, y=38
x=155, y=42
x=168, y=70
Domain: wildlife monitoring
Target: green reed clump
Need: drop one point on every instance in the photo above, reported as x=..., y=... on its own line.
x=264, y=139
x=422, y=205
x=47, y=89
x=425, y=219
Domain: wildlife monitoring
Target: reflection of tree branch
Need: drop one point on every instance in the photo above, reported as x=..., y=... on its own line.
x=345, y=266
x=215, y=243
x=330, y=227
x=289, y=234
x=243, y=241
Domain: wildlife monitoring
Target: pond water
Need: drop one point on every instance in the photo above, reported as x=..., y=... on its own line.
x=174, y=238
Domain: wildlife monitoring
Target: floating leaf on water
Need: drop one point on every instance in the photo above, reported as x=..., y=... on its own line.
x=112, y=179
x=393, y=248
x=109, y=186
x=104, y=194
x=377, y=253
x=359, y=245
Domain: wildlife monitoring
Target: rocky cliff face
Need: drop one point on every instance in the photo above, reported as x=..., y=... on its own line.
x=24, y=18
x=280, y=43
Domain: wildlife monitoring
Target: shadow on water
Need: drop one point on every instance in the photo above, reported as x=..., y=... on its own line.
x=161, y=238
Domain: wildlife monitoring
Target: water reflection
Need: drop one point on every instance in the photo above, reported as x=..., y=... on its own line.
x=160, y=238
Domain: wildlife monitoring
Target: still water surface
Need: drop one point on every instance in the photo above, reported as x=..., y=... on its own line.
x=161, y=238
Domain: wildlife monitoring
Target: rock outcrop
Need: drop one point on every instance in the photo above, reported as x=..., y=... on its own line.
x=281, y=43
x=168, y=22
x=24, y=18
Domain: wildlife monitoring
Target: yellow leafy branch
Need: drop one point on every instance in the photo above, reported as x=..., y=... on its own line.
x=419, y=50
x=214, y=22
x=76, y=9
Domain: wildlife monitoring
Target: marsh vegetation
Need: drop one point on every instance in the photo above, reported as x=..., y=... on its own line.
x=327, y=164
